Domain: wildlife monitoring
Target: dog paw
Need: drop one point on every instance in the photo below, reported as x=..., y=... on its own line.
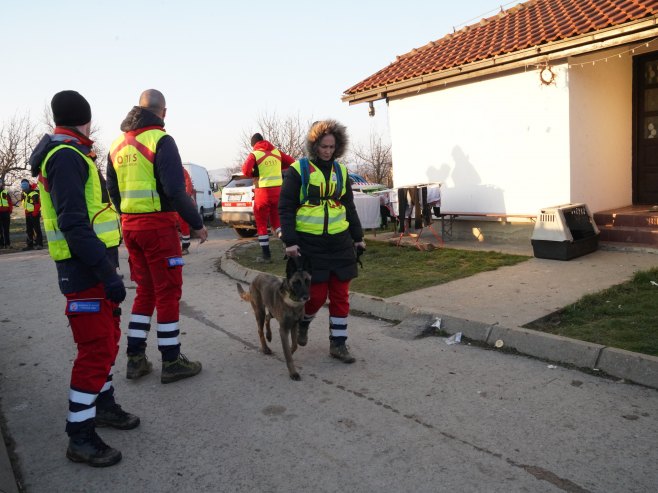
x=267, y=350
x=295, y=376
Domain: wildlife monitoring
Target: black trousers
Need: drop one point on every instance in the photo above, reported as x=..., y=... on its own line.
x=33, y=230
x=4, y=229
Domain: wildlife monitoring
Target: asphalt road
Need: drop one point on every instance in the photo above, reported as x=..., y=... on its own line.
x=408, y=416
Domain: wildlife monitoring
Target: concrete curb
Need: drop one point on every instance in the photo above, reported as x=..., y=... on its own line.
x=633, y=367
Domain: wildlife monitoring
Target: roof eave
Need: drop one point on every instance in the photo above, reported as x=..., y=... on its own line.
x=603, y=39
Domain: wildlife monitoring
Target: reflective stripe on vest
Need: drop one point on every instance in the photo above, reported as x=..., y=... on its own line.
x=329, y=214
x=133, y=159
x=269, y=168
x=28, y=200
x=4, y=201
x=102, y=217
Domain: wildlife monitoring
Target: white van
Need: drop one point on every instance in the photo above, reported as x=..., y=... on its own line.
x=205, y=200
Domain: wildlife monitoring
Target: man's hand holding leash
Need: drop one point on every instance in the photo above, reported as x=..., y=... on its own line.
x=201, y=234
x=292, y=251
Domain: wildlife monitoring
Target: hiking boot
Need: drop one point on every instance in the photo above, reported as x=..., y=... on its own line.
x=38, y=247
x=178, y=369
x=91, y=449
x=27, y=248
x=138, y=366
x=339, y=352
x=302, y=334
x=115, y=417
x=263, y=260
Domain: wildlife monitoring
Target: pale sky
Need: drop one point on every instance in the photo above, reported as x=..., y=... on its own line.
x=219, y=64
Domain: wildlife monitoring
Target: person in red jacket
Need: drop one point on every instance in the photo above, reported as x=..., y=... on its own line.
x=265, y=163
x=32, y=206
x=6, y=206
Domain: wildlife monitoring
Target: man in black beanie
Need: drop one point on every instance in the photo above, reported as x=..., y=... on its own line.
x=83, y=239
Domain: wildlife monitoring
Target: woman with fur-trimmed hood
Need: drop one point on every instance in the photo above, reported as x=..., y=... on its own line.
x=319, y=221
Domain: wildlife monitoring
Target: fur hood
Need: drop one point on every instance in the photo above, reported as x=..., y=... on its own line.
x=322, y=128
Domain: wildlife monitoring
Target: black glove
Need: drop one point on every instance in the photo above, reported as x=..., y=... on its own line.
x=114, y=289
x=106, y=272
x=359, y=251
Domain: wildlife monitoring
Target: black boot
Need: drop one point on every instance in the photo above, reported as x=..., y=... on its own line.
x=114, y=417
x=338, y=350
x=87, y=447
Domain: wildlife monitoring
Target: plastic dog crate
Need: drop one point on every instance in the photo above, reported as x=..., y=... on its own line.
x=564, y=232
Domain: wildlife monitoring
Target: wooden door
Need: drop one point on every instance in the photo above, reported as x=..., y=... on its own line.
x=645, y=131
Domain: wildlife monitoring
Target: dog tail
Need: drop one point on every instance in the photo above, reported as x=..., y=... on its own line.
x=243, y=294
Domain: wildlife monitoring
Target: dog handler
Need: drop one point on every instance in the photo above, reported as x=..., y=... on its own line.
x=83, y=236
x=146, y=184
x=319, y=220
x=265, y=164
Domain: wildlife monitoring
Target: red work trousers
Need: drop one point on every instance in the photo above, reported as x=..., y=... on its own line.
x=97, y=336
x=338, y=292
x=158, y=285
x=266, y=208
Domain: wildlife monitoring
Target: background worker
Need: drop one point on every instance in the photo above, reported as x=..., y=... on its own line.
x=6, y=206
x=32, y=206
x=146, y=183
x=319, y=219
x=265, y=164
x=83, y=238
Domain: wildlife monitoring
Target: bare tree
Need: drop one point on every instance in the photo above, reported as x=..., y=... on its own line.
x=98, y=148
x=285, y=133
x=17, y=139
x=374, y=160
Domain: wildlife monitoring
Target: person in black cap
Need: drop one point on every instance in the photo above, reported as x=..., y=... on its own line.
x=83, y=238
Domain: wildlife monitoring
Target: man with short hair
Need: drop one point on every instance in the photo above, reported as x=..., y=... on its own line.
x=265, y=163
x=83, y=239
x=146, y=184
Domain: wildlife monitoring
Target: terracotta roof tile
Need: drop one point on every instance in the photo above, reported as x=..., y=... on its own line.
x=529, y=24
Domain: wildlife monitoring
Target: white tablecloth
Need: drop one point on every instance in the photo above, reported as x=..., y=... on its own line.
x=367, y=207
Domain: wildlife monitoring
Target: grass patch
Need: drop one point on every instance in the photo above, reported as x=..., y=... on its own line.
x=623, y=316
x=388, y=271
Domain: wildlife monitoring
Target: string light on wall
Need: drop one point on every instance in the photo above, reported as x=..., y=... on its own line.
x=619, y=55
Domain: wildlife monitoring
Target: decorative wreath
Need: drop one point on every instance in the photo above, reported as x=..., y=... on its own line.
x=547, y=75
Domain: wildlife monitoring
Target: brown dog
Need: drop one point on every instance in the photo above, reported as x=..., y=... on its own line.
x=284, y=300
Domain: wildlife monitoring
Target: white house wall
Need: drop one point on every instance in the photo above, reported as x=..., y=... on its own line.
x=601, y=130
x=497, y=145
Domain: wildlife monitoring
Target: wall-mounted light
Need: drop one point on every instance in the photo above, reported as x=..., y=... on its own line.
x=371, y=109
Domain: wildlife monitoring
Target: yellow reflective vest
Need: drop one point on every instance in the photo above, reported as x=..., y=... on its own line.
x=4, y=198
x=269, y=168
x=27, y=200
x=133, y=158
x=103, y=219
x=321, y=210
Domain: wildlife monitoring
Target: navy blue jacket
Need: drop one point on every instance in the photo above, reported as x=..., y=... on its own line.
x=91, y=262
